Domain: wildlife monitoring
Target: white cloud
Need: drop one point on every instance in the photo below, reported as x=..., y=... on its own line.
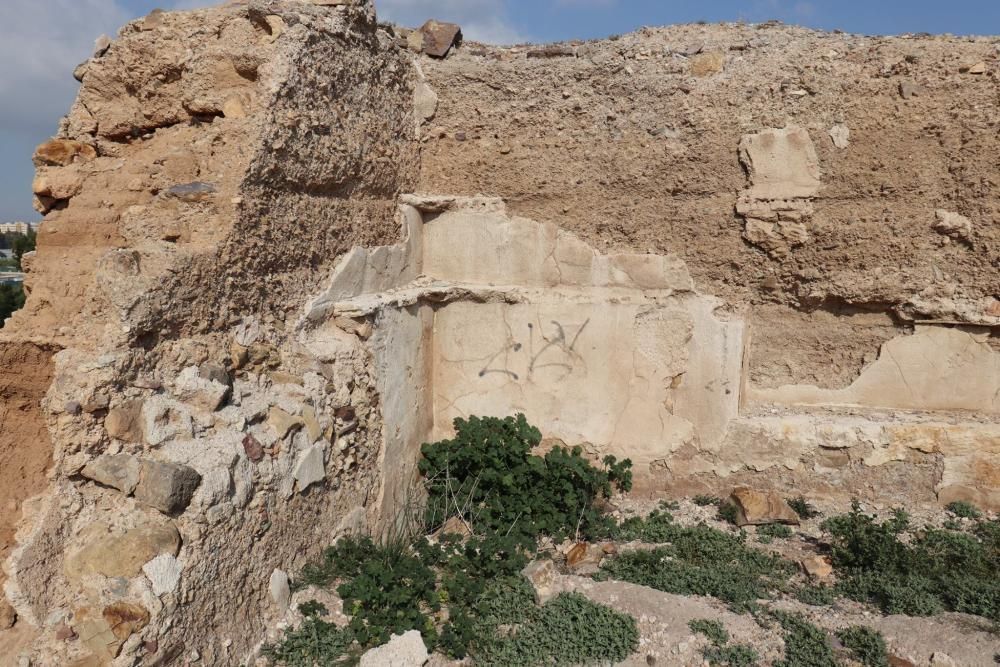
x=481, y=20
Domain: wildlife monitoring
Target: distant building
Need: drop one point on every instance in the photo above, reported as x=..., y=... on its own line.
x=17, y=227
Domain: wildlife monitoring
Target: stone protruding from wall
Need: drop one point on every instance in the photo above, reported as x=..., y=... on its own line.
x=784, y=175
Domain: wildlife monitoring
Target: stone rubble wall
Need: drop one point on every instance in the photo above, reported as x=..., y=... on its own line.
x=215, y=167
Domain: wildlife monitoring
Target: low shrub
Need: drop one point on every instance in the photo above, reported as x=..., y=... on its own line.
x=765, y=534
x=916, y=572
x=488, y=474
x=866, y=645
x=713, y=630
x=816, y=596
x=721, y=652
x=315, y=642
x=698, y=560
x=964, y=510
x=802, y=507
x=568, y=630
x=706, y=500
x=805, y=644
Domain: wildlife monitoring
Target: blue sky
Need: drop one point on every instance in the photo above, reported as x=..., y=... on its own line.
x=42, y=40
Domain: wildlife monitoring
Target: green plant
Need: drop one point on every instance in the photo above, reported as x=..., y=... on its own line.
x=802, y=507
x=721, y=652
x=952, y=524
x=964, y=510
x=315, y=642
x=805, y=644
x=713, y=630
x=568, y=630
x=706, y=500
x=313, y=608
x=728, y=513
x=771, y=531
x=732, y=655
x=386, y=590
x=11, y=299
x=916, y=573
x=488, y=475
x=816, y=596
x=867, y=645
x=698, y=560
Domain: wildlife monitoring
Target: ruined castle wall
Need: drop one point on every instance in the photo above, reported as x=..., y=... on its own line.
x=216, y=166
x=635, y=143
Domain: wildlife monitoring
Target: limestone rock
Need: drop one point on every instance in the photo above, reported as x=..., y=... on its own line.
x=167, y=487
x=952, y=224
x=7, y=615
x=57, y=183
x=841, y=136
x=310, y=468
x=97, y=634
x=204, y=394
x=758, y=508
x=62, y=153
x=164, y=573
x=425, y=102
x=818, y=567
x=119, y=471
x=125, y=619
x=125, y=422
x=164, y=419
x=282, y=422
x=120, y=554
x=542, y=575
x=705, y=64
x=280, y=592
x=215, y=373
x=584, y=558
x=191, y=193
x=908, y=89
x=405, y=650
x=781, y=163
x=439, y=37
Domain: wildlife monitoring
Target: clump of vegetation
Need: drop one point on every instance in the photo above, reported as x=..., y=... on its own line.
x=568, y=630
x=466, y=596
x=766, y=534
x=802, y=507
x=11, y=299
x=916, y=573
x=721, y=652
x=386, y=590
x=964, y=510
x=816, y=596
x=488, y=475
x=805, y=644
x=706, y=500
x=315, y=642
x=698, y=560
x=728, y=513
x=866, y=645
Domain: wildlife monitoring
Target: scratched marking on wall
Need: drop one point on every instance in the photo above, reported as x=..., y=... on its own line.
x=554, y=350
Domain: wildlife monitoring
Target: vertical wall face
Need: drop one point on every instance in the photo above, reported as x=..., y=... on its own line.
x=220, y=164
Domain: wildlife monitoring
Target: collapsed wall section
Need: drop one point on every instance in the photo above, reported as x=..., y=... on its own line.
x=218, y=165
